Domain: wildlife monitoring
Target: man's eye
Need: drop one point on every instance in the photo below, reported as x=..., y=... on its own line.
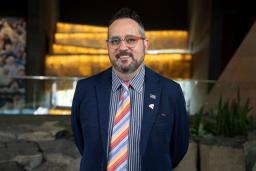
x=130, y=40
x=115, y=41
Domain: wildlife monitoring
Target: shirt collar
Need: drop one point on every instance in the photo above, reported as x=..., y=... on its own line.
x=136, y=83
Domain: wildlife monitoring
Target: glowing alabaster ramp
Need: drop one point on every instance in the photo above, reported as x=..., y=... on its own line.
x=80, y=50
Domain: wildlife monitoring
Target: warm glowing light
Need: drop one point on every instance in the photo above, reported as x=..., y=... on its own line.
x=157, y=39
x=78, y=28
x=65, y=49
x=80, y=50
x=82, y=39
x=170, y=65
x=59, y=111
x=76, y=65
x=173, y=39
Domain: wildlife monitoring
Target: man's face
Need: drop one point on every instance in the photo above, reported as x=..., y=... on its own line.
x=126, y=58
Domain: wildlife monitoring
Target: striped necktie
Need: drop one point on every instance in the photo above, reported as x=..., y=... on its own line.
x=118, y=153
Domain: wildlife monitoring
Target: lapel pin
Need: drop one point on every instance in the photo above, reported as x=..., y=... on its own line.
x=163, y=114
x=152, y=96
x=151, y=106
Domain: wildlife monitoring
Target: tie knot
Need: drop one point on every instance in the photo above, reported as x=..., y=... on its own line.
x=126, y=85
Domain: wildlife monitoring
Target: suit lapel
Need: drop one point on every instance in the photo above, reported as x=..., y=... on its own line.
x=103, y=91
x=150, y=108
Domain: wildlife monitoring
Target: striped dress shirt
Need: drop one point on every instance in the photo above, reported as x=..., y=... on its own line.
x=136, y=97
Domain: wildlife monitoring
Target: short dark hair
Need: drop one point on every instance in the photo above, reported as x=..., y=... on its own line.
x=127, y=13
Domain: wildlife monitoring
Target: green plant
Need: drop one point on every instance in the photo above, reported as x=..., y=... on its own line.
x=230, y=118
x=197, y=125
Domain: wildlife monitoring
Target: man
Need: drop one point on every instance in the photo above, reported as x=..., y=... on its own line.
x=129, y=117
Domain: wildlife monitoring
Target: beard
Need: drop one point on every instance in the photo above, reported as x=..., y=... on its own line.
x=132, y=67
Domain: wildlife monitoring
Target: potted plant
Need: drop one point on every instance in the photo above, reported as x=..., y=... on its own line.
x=227, y=124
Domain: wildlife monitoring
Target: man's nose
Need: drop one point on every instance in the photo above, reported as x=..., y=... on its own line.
x=123, y=45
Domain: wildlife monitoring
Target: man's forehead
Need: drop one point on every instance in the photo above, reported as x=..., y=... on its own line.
x=124, y=20
x=124, y=23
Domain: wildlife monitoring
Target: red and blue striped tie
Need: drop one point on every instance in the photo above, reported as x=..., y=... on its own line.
x=118, y=154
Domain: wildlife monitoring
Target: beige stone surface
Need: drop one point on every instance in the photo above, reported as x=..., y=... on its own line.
x=254, y=167
x=239, y=73
x=221, y=158
x=189, y=162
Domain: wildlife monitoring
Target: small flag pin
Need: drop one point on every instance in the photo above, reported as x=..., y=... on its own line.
x=152, y=96
x=151, y=106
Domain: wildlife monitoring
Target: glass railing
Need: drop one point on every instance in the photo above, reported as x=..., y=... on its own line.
x=37, y=95
x=44, y=95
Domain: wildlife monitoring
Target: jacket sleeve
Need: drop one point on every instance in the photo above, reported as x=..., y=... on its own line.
x=180, y=134
x=75, y=121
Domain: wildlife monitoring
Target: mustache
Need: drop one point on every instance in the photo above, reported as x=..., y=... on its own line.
x=124, y=53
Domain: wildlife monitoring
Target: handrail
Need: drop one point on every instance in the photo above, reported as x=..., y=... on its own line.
x=46, y=78
x=78, y=78
x=195, y=81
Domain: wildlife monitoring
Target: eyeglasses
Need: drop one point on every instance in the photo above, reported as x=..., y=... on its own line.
x=130, y=41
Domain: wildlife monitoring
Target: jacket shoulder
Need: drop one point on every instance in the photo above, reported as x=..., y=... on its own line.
x=164, y=81
x=93, y=80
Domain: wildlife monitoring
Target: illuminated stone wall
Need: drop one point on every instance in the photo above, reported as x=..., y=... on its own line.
x=169, y=65
x=80, y=50
x=157, y=39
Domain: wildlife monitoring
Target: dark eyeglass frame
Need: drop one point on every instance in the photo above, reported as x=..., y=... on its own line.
x=125, y=39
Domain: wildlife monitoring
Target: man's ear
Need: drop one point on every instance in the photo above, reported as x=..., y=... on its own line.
x=146, y=44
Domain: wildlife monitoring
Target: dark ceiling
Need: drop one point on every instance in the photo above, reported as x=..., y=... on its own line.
x=161, y=14
x=158, y=14
x=13, y=8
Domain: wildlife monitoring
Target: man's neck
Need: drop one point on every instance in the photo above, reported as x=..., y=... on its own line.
x=128, y=77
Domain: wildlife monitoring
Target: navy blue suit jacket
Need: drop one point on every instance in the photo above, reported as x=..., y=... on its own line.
x=164, y=132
